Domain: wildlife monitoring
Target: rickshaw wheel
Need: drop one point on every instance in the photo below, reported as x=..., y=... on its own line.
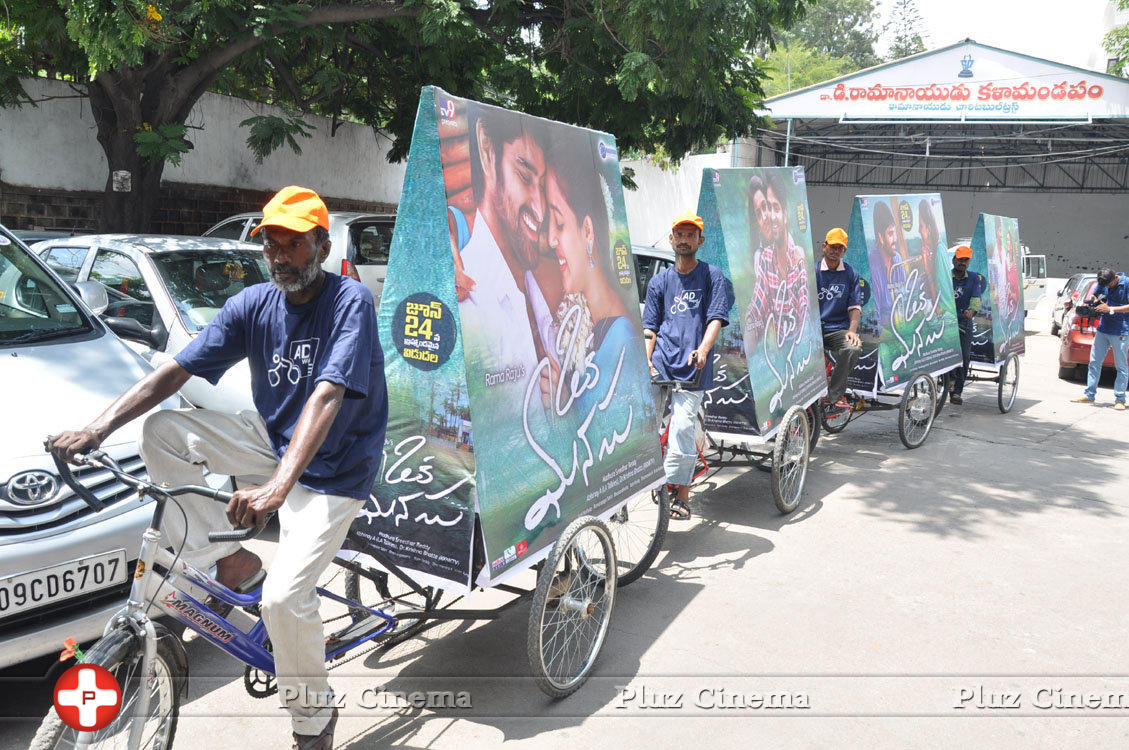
x=790, y=460
x=389, y=591
x=835, y=422
x=814, y=415
x=572, y=607
x=1009, y=384
x=943, y=381
x=917, y=410
x=638, y=530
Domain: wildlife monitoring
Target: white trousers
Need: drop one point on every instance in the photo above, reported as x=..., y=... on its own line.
x=177, y=447
x=681, y=446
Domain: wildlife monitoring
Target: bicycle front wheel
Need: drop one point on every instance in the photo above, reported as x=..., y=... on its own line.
x=121, y=653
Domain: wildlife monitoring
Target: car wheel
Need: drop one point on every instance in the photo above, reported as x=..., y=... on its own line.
x=1067, y=373
x=1055, y=328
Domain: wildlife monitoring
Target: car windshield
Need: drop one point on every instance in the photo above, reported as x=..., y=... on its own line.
x=33, y=306
x=201, y=281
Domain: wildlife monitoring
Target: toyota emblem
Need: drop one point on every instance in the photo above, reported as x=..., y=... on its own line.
x=32, y=487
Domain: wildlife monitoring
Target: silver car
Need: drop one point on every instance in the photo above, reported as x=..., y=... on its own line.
x=359, y=243
x=64, y=569
x=1068, y=297
x=163, y=290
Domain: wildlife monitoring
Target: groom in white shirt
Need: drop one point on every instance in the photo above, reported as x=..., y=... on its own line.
x=503, y=252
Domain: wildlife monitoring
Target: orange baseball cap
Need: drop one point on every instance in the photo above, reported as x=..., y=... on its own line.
x=836, y=237
x=963, y=251
x=297, y=208
x=688, y=217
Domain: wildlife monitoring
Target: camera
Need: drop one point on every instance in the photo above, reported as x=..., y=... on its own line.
x=1086, y=309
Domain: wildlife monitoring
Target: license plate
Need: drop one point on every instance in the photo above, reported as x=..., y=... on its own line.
x=57, y=583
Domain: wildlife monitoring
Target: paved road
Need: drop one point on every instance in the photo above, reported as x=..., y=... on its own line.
x=912, y=600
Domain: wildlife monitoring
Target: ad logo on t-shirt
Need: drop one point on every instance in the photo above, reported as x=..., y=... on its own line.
x=691, y=299
x=832, y=291
x=300, y=363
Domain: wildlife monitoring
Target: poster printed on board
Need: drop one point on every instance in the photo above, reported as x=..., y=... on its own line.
x=518, y=380
x=758, y=232
x=998, y=327
x=420, y=514
x=555, y=361
x=908, y=323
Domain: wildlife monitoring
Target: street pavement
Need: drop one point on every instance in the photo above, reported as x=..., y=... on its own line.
x=962, y=594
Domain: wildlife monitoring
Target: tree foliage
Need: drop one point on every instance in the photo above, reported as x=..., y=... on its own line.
x=666, y=75
x=905, y=22
x=838, y=29
x=798, y=65
x=1117, y=44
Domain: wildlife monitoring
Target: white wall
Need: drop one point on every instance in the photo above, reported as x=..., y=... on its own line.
x=663, y=194
x=54, y=146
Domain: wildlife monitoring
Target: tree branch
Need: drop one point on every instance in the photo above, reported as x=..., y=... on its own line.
x=191, y=83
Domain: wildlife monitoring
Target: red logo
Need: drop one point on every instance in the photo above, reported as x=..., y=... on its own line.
x=87, y=697
x=522, y=546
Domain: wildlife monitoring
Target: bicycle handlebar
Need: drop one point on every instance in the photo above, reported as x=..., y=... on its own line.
x=102, y=460
x=680, y=385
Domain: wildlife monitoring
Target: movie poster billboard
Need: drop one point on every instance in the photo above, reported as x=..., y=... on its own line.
x=770, y=357
x=909, y=323
x=520, y=234
x=420, y=515
x=997, y=330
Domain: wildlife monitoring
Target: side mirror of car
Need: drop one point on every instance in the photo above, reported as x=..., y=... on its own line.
x=94, y=295
x=132, y=330
x=1060, y=291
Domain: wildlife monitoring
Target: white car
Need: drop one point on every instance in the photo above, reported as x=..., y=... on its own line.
x=64, y=569
x=359, y=243
x=163, y=290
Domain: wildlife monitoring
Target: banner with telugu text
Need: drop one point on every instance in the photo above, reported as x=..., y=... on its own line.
x=909, y=326
x=997, y=331
x=770, y=357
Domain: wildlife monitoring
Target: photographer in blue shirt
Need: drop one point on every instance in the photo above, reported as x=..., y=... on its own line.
x=1112, y=297
x=686, y=306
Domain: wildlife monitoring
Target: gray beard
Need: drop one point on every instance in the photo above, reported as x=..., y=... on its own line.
x=306, y=278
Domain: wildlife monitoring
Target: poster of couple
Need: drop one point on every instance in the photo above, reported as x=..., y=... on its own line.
x=758, y=233
x=908, y=326
x=998, y=327
x=518, y=385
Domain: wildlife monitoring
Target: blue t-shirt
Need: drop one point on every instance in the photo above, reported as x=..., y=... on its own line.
x=838, y=292
x=1116, y=324
x=972, y=285
x=678, y=308
x=292, y=348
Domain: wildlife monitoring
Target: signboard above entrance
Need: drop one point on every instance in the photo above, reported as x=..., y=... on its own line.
x=966, y=81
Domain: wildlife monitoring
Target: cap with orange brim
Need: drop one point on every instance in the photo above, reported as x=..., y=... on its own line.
x=836, y=236
x=296, y=208
x=689, y=217
x=963, y=251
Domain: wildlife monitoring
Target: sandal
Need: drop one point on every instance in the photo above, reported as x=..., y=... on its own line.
x=249, y=584
x=680, y=510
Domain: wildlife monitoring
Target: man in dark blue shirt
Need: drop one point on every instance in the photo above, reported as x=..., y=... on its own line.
x=686, y=306
x=967, y=289
x=840, y=308
x=1112, y=333
x=315, y=442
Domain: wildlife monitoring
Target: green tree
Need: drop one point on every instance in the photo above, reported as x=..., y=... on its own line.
x=798, y=65
x=642, y=69
x=838, y=29
x=1117, y=44
x=905, y=20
